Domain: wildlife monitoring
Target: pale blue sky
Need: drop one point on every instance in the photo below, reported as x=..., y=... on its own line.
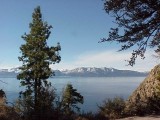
x=77, y=24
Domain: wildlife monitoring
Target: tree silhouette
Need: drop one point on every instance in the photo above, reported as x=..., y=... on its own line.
x=138, y=25
x=36, y=58
x=70, y=99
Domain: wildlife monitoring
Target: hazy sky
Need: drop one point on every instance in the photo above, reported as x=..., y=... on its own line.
x=77, y=24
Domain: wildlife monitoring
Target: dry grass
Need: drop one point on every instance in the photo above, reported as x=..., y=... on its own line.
x=8, y=113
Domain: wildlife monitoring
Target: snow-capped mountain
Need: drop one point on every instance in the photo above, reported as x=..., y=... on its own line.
x=16, y=70
x=82, y=72
x=3, y=70
x=98, y=72
x=8, y=73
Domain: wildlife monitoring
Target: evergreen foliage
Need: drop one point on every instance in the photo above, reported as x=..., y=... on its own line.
x=70, y=99
x=24, y=105
x=36, y=58
x=137, y=25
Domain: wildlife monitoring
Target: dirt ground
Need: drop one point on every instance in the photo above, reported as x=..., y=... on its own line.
x=142, y=118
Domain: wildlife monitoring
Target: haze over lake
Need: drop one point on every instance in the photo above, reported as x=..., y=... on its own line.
x=94, y=89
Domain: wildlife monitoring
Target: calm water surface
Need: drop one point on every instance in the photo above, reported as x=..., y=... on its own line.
x=94, y=89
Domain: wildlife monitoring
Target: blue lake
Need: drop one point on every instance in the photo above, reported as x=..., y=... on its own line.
x=94, y=89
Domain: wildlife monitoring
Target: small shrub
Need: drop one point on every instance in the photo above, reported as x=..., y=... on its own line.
x=113, y=108
x=141, y=108
x=24, y=105
x=8, y=113
x=2, y=97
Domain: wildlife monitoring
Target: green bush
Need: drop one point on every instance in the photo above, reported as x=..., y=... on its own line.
x=113, y=108
x=24, y=105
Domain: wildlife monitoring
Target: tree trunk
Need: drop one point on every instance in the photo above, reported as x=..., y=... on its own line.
x=35, y=96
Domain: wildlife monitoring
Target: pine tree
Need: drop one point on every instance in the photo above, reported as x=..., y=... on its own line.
x=70, y=99
x=36, y=58
x=137, y=25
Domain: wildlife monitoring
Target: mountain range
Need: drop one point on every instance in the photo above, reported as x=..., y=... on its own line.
x=83, y=72
x=99, y=72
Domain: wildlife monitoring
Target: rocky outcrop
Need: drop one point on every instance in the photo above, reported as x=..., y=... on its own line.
x=147, y=91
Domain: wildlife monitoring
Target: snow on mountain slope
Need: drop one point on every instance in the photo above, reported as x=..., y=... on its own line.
x=100, y=72
x=84, y=72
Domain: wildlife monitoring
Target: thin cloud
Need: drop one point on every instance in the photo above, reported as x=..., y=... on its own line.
x=101, y=58
x=109, y=59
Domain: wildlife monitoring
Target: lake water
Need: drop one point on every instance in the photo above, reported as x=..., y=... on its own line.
x=94, y=89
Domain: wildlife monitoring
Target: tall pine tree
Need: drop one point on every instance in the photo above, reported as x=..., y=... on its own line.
x=36, y=58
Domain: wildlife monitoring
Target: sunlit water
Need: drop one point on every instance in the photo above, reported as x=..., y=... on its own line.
x=94, y=89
